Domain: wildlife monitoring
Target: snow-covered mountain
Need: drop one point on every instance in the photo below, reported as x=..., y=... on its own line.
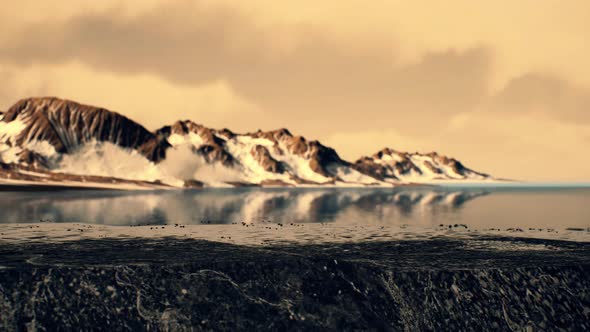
x=50, y=140
x=392, y=166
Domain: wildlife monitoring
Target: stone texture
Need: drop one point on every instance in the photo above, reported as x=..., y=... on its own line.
x=195, y=285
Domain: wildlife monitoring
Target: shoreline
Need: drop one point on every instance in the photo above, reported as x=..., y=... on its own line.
x=18, y=186
x=270, y=233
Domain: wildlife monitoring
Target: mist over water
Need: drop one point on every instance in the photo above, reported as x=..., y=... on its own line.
x=475, y=207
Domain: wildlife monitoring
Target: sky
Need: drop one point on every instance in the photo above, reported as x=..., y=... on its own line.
x=503, y=86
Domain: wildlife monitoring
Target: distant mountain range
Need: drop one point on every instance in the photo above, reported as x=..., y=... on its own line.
x=51, y=141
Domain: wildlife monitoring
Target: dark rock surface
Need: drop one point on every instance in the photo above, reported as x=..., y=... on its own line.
x=173, y=284
x=266, y=161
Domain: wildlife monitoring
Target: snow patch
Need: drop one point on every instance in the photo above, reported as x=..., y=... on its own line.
x=9, y=130
x=182, y=163
x=43, y=148
x=8, y=154
x=107, y=159
x=192, y=138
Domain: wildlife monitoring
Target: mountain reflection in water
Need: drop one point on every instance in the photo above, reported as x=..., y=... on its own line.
x=222, y=206
x=416, y=206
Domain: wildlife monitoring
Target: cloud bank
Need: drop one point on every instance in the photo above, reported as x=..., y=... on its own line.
x=415, y=82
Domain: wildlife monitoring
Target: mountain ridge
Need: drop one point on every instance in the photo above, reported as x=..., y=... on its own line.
x=58, y=135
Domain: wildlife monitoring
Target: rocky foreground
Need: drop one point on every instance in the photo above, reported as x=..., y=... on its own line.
x=489, y=284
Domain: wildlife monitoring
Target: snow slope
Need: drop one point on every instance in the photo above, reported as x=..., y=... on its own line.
x=394, y=166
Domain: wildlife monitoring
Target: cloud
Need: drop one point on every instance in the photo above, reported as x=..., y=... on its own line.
x=298, y=71
x=543, y=93
x=521, y=146
x=146, y=98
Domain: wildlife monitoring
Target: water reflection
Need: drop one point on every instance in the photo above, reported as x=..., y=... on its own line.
x=234, y=205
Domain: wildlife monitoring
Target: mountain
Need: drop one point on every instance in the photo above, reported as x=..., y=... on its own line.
x=248, y=206
x=391, y=166
x=50, y=140
x=66, y=125
x=271, y=157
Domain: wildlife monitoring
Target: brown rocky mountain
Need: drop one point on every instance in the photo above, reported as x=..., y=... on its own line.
x=66, y=125
x=395, y=165
x=212, y=146
x=274, y=157
x=320, y=156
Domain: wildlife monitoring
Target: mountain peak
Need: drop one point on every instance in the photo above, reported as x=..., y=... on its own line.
x=42, y=132
x=66, y=125
x=391, y=164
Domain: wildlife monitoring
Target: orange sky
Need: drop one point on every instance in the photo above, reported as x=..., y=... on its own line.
x=502, y=85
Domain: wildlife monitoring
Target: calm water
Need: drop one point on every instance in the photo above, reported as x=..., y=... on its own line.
x=557, y=207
